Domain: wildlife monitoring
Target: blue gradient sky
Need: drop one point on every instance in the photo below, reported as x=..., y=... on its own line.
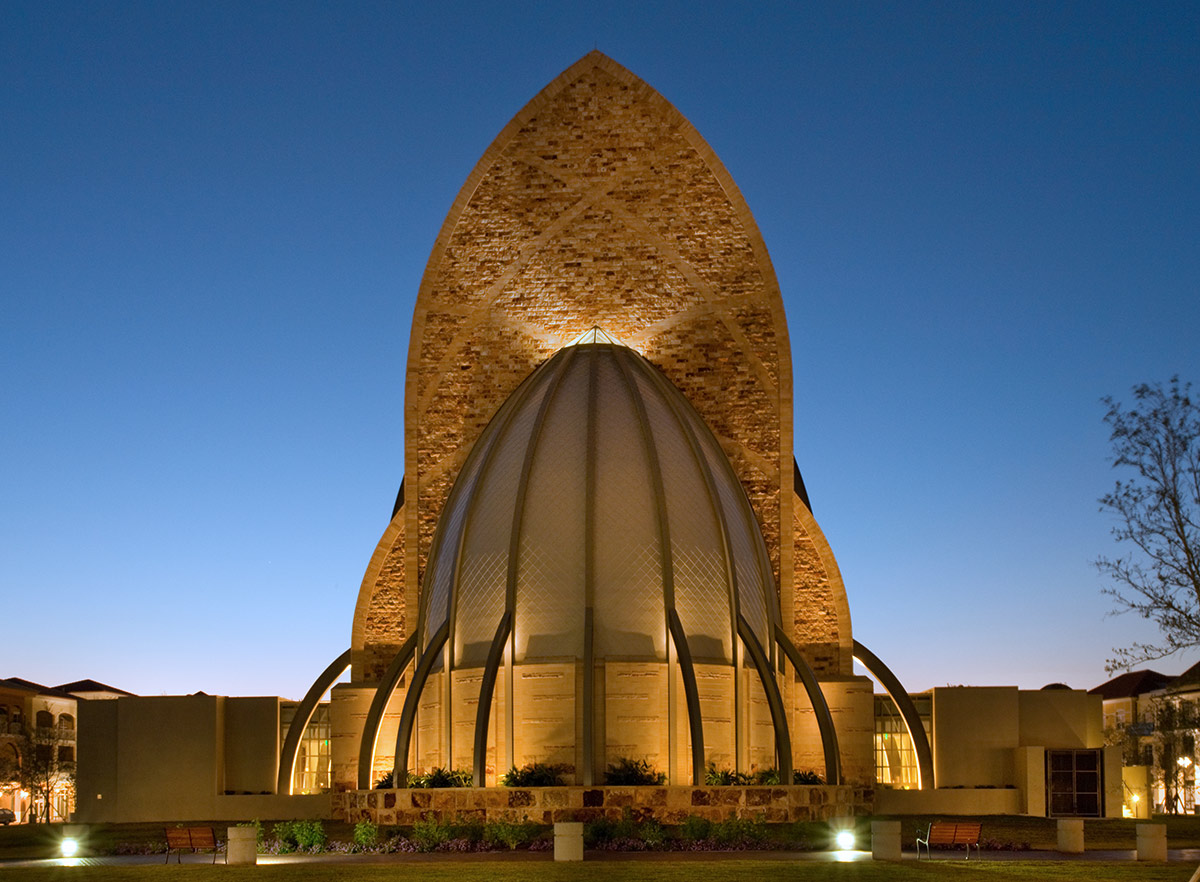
x=215, y=216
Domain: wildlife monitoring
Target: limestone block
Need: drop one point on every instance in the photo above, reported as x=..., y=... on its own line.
x=568, y=841
x=1151, y=842
x=1070, y=835
x=885, y=840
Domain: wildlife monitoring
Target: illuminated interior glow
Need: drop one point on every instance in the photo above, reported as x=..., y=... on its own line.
x=594, y=334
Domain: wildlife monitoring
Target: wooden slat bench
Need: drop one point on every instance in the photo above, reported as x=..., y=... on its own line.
x=950, y=833
x=195, y=838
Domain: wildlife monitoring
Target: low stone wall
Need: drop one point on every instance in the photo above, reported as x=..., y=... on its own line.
x=547, y=805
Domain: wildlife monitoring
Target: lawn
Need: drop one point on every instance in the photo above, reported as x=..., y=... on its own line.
x=1005, y=833
x=665, y=869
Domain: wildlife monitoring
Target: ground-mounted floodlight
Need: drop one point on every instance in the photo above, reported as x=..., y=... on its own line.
x=69, y=847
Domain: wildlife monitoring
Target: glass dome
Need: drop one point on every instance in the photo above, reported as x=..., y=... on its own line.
x=595, y=505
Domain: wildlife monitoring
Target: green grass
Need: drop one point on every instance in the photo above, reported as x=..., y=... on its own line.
x=667, y=869
x=41, y=841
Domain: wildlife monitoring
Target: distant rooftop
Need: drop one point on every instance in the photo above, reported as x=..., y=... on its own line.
x=90, y=686
x=1133, y=683
x=30, y=686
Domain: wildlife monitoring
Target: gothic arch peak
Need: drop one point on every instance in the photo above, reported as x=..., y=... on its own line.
x=599, y=204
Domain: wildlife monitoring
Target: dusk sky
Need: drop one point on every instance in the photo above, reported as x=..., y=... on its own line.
x=214, y=218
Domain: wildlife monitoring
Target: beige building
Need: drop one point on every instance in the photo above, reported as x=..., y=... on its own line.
x=1153, y=721
x=42, y=720
x=602, y=548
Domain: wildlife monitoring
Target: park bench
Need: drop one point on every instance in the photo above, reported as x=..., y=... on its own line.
x=950, y=833
x=195, y=838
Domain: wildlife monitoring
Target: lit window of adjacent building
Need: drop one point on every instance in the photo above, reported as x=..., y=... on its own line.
x=895, y=757
x=314, y=758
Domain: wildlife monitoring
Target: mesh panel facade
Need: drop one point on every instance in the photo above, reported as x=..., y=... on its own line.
x=525, y=488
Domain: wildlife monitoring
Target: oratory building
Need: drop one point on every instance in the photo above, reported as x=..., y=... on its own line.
x=602, y=549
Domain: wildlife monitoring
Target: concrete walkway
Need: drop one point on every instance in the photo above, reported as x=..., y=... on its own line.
x=1189, y=856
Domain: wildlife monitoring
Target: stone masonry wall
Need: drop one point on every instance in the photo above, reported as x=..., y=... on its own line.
x=548, y=805
x=599, y=205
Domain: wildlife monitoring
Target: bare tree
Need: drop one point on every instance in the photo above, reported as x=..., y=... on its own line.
x=1156, y=444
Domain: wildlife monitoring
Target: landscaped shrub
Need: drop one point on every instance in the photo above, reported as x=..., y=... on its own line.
x=430, y=835
x=652, y=833
x=739, y=832
x=626, y=772
x=510, y=834
x=439, y=777
x=535, y=775
x=695, y=829
x=366, y=834
x=715, y=777
x=298, y=836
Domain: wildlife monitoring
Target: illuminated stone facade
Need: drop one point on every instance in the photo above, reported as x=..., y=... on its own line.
x=599, y=205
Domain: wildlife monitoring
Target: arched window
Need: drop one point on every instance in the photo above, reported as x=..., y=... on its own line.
x=3, y=719
x=44, y=719
x=66, y=723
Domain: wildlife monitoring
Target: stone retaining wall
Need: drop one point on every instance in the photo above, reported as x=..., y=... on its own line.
x=547, y=805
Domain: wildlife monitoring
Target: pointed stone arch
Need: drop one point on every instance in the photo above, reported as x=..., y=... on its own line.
x=599, y=204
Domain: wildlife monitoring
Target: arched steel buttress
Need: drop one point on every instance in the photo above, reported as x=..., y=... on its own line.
x=675, y=630
x=908, y=712
x=783, y=740
x=829, y=739
x=366, y=747
x=304, y=712
x=408, y=717
x=487, y=689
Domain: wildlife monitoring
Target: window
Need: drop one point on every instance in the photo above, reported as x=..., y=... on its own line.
x=3, y=719
x=66, y=754
x=1074, y=783
x=66, y=723
x=44, y=719
x=895, y=757
x=314, y=758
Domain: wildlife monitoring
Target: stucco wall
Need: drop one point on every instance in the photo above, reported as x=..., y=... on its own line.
x=1060, y=718
x=172, y=758
x=966, y=801
x=975, y=729
x=251, y=745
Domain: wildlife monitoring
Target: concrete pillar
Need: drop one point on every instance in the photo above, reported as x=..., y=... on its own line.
x=1151, y=842
x=885, y=840
x=242, y=846
x=568, y=841
x=1070, y=835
